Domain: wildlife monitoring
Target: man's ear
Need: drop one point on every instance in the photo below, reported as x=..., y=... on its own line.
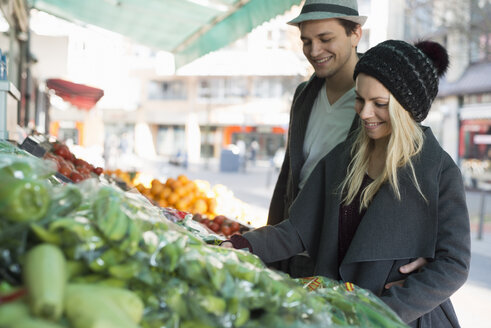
x=356, y=36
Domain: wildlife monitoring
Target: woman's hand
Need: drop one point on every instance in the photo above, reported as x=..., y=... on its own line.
x=227, y=244
x=406, y=269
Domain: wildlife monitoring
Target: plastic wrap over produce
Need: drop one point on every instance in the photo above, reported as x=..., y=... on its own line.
x=125, y=259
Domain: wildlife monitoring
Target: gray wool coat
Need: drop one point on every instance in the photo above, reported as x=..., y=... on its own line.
x=392, y=233
x=286, y=188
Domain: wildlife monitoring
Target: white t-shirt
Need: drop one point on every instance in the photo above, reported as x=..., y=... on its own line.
x=328, y=125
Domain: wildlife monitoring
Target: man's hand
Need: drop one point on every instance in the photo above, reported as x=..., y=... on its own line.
x=408, y=268
x=228, y=244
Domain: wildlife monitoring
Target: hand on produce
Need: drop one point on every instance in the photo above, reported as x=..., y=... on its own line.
x=227, y=244
x=406, y=269
x=237, y=242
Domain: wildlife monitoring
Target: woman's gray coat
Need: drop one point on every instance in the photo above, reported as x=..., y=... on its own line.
x=392, y=233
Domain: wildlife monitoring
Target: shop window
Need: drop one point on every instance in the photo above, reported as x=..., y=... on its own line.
x=171, y=140
x=222, y=89
x=274, y=87
x=167, y=90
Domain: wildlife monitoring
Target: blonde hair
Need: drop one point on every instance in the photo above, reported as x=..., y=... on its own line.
x=405, y=141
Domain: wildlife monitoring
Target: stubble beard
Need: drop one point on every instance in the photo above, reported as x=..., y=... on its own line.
x=331, y=72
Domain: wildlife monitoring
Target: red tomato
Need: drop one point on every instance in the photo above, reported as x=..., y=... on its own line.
x=53, y=158
x=98, y=170
x=219, y=219
x=65, y=170
x=64, y=152
x=84, y=170
x=76, y=177
x=234, y=226
x=214, y=227
x=81, y=162
x=226, y=230
x=56, y=145
x=70, y=165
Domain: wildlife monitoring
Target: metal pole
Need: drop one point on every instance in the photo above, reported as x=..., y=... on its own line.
x=207, y=135
x=481, y=215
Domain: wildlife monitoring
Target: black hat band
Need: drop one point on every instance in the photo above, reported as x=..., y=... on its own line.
x=316, y=7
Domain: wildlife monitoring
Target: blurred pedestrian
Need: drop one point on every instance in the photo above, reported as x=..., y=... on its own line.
x=242, y=154
x=253, y=150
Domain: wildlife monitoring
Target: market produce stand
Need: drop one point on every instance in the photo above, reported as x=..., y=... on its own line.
x=90, y=254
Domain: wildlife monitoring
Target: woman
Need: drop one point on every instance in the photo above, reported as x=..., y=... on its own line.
x=386, y=196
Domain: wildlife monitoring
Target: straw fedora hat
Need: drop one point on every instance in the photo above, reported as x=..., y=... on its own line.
x=323, y=9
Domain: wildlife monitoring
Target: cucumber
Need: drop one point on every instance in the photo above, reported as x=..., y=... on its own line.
x=13, y=312
x=34, y=323
x=45, y=279
x=95, y=306
x=119, y=299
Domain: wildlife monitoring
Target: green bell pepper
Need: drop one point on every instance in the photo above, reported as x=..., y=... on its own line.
x=23, y=200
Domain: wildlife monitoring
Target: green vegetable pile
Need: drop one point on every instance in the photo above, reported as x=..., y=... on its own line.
x=92, y=255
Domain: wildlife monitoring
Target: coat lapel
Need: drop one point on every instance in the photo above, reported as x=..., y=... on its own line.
x=393, y=229
x=301, y=113
x=326, y=254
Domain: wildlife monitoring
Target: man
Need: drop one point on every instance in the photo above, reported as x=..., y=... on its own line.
x=322, y=113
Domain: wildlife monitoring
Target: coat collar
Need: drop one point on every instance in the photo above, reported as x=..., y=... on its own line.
x=391, y=229
x=401, y=228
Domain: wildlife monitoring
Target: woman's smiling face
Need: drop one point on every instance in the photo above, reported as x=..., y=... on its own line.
x=372, y=105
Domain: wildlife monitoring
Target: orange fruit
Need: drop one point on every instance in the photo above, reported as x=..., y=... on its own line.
x=181, y=204
x=156, y=188
x=165, y=193
x=172, y=199
x=200, y=206
x=140, y=187
x=175, y=184
x=182, y=178
x=169, y=182
x=212, y=204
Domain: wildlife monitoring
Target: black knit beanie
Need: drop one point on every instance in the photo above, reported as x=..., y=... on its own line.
x=410, y=72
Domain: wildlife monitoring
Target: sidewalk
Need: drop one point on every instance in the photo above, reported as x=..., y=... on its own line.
x=473, y=301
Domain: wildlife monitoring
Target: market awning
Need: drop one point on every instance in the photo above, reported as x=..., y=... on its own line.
x=187, y=28
x=79, y=95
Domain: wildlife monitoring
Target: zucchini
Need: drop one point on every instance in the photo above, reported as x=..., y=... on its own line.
x=45, y=280
x=94, y=306
x=34, y=323
x=114, y=299
x=13, y=312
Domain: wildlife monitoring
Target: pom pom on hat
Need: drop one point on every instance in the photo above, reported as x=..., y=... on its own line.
x=437, y=53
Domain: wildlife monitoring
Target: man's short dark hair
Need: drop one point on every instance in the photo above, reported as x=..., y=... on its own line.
x=349, y=26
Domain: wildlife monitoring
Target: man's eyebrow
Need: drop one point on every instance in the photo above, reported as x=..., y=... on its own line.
x=320, y=35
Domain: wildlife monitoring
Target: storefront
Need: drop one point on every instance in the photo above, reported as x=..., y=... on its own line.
x=475, y=143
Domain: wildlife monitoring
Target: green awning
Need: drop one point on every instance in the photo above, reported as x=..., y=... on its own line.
x=187, y=28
